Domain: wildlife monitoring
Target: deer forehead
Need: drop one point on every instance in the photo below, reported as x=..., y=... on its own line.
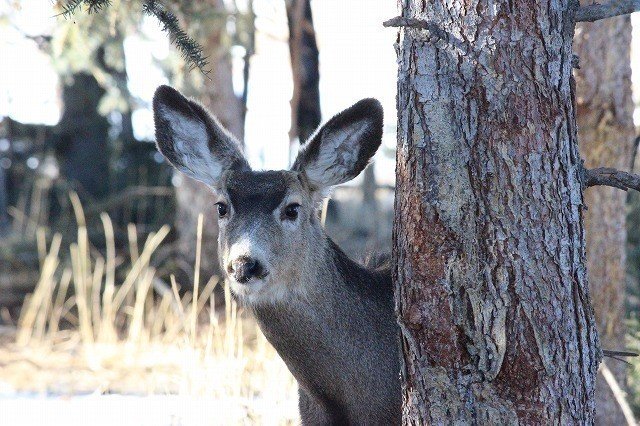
x=263, y=191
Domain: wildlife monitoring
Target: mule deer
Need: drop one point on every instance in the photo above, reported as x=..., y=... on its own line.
x=330, y=319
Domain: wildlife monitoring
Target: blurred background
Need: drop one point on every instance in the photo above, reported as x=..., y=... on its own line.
x=109, y=289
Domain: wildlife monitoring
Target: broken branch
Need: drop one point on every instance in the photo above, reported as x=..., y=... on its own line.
x=434, y=30
x=611, y=177
x=401, y=21
x=619, y=355
x=595, y=12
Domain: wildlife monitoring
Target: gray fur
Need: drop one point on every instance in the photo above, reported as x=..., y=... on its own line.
x=331, y=319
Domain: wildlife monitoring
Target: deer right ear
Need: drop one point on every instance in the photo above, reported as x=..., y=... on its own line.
x=342, y=148
x=192, y=140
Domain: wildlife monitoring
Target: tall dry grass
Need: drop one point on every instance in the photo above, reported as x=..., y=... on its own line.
x=103, y=323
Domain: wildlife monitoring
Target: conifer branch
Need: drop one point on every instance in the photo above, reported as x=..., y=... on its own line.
x=189, y=49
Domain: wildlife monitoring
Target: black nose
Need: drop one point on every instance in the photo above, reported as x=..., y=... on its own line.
x=245, y=268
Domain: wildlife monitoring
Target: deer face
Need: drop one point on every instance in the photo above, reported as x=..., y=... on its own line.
x=270, y=236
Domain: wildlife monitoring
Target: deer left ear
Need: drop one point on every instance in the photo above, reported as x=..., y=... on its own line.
x=342, y=148
x=193, y=140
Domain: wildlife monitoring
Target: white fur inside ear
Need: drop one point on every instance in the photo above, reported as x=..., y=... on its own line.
x=191, y=147
x=338, y=155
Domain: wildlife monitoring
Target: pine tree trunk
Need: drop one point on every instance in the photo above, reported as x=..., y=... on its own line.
x=606, y=133
x=193, y=198
x=491, y=289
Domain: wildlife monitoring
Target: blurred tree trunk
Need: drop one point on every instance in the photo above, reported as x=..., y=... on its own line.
x=247, y=37
x=4, y=203
x=82, y=146
x=370, y=206
x=217, y=95
x=303, y=50
x=489, y=251
x=606, y=133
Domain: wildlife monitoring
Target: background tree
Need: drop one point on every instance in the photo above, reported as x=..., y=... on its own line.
x=606, y=134
x=83, y=146
x=207, y=21
x=4, y=204
x=303, y=50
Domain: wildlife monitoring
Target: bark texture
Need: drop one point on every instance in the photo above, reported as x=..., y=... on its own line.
x=606, y=133
x=217, y=95
x=491, y=290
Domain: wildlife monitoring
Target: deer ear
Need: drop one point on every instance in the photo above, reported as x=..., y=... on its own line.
x=339, y=150
x=193, y=140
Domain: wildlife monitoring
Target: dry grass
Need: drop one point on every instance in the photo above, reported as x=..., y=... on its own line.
x=127, y=332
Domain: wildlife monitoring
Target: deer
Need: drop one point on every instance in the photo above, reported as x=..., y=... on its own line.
x=330, y=318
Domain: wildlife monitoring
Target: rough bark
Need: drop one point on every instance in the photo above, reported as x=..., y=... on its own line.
x=217, y=95
x=606, y=135
x=491, y=289
x=303, y=50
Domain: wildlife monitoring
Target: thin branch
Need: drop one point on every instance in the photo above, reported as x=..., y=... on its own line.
x=619, y=355
x=93, y=6
x=69, y=8
x=595, y=12
x=618, y=394
x=611, y=177
x=190, y=49
x=610, y=353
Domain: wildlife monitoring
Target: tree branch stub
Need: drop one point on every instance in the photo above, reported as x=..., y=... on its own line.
x=595, y=12
x=606, y=176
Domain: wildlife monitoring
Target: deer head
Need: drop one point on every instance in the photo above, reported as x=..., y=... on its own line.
x=271, y=241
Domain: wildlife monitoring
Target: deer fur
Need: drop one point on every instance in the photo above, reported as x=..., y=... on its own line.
x=330, y=318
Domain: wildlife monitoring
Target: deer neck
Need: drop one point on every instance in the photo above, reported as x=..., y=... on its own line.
x=318, y=292
x=344, y=311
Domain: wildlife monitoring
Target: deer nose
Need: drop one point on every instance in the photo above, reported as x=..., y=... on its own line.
x=244, y=268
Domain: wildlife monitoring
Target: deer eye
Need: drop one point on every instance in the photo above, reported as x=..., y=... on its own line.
x=291, y=211
x=222, y=209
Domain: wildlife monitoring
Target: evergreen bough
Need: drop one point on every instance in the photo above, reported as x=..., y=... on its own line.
x=189, y=48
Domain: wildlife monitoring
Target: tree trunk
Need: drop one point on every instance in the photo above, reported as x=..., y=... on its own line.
x=303, y=50
x=193, y=198
x=82, y=146
x=491, y=289
x=369, y=216
x=4, y=203
x=606, y=133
